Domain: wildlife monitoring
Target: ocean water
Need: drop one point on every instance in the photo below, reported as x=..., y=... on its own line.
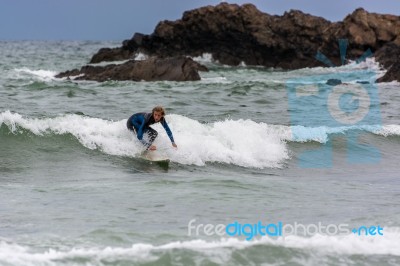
x=74, y=190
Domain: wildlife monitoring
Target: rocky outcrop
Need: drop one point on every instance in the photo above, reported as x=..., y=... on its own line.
x=120, y=53
x=393, y=74
x=389, y=57
x=110, y=54
x=174, y=69
x=235, y=34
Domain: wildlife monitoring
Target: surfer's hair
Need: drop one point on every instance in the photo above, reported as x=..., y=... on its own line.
x=159, y=109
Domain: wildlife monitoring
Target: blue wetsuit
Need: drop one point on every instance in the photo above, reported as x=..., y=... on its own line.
x=141, y=122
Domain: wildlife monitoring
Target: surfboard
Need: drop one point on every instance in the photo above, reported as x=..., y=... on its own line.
x=155, y=156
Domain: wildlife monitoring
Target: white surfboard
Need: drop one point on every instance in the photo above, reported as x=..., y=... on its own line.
x=154, y=156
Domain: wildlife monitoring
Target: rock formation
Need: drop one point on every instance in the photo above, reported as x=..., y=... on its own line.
x=235, y=34
x=174, y=69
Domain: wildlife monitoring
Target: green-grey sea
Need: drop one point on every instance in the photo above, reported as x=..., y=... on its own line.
x=74, y=189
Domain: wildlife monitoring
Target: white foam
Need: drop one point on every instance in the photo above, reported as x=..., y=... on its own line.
x=394, y=84
x=42, y=75
x=242, y=142
x=351, y=244
x=220, y=251
x=388, y=244
x=93, y=133
x=106, y=63
x=205, y=58
x=369, y=63
x=13, y=254
x=242, y=64
x=141, y=56
x=321, y=134
x=389, y=130
x=214, y=80
x=239, y=142
x=368, y=66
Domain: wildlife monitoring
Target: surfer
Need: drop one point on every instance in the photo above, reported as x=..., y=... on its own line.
x=140, y=123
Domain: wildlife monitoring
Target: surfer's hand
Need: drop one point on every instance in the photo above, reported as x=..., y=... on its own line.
x=152, y=148
x=174, y=145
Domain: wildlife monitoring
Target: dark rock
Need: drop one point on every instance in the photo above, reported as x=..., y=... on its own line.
x=393, y=74
x=333, y=82
x=153, y=69
x=235, y=34
x=110, y=54
x=389, y=57
x=388, y=54
x=137, y=39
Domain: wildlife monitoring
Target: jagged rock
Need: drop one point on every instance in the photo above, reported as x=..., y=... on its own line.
x=388, y=54
x=235, y=34
x=392, y=74
x=154, y=69
x=121, y=53
x=389, y=57
x=110, y=54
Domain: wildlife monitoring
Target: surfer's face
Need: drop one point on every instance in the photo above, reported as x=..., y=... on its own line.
x=157, y=116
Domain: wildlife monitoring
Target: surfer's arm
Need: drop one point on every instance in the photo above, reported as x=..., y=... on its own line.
x=139, y=124
x=168, y=130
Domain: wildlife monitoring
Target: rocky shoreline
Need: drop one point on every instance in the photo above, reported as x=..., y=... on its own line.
x=178, y=68
x=233, y=34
